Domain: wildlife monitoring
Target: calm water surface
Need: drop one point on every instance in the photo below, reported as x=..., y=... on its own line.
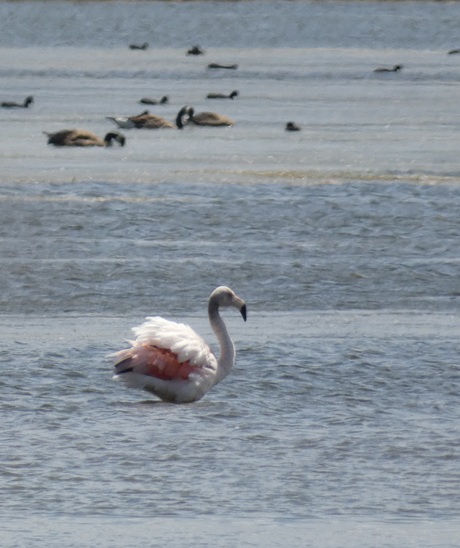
x=339, y=425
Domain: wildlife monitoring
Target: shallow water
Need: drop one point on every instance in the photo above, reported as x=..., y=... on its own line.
x=339, y=424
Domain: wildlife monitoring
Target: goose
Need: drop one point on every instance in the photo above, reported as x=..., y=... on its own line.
x=11, y=104
x=171, y=361
x=395, y=68
x=292, y=126
x=202, y=118
x=222, y=95
x=195, y=50
x=143, y=46
x=149, y=101
x=122, y=122
x=142, y=120
x=219, y=66
x=83, y=138
x=150, y=121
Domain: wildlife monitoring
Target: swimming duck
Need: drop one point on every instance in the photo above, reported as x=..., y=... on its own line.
x=395, y=68
x=219, y=66
x=11, y=104
x=202, y=118
x=143, y=46
x=149, y=101
x=292, y=126
x=222, y=95
x=195, y=50
x=83, y=138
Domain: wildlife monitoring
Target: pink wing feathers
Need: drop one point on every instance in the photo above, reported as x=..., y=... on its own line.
x=165, y=350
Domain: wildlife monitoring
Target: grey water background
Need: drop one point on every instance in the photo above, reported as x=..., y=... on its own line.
x=339, y=425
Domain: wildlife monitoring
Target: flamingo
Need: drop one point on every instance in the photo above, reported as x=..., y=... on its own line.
x=172, y=361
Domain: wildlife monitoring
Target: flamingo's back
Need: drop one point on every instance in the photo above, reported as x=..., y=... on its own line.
x=167, y=358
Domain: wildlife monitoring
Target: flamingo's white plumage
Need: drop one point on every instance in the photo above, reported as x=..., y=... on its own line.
x=172, y=361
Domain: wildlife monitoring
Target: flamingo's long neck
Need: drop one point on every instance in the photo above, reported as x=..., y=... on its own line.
x=226, y=357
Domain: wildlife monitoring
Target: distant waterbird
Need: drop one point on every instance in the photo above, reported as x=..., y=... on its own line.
x=12, y=104
x=122, y=122
x=222, y=95
x=395, y=68
x=195, y=50
x=145, y=120
x=151, y=101
x=202, y=118
x=292, y=126
x=219, y=66
x=143, y=46
x=83, y=138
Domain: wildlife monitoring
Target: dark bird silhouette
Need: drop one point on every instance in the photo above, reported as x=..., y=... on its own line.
x=292, y=126
x=219, y=66
x=150, y=101
x=11, y=104
x=395, y=68
x=222, y=95
x=143, y=46
x=195, y=50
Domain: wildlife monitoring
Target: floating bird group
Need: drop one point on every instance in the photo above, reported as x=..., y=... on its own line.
x=145, y=120
x=172, y=361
